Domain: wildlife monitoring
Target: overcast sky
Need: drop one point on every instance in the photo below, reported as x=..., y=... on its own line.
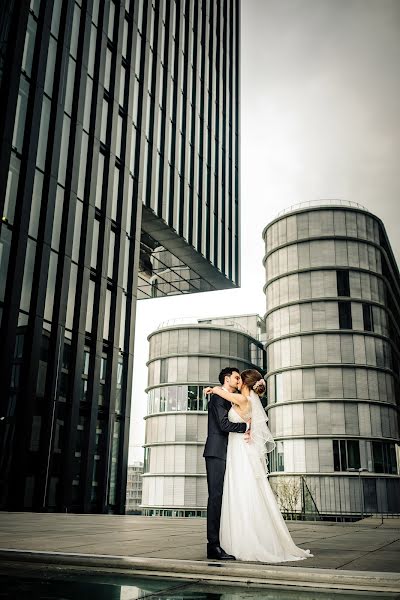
x=320, y=97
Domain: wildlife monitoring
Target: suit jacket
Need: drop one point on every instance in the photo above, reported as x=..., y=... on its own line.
x=219, y=427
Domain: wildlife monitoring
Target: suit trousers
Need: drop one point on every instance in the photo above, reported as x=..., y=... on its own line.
x=215, y=481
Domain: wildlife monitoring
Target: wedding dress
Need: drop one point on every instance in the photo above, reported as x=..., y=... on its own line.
x=252, y=527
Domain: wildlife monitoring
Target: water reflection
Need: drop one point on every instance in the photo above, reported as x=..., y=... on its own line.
x=45, y=586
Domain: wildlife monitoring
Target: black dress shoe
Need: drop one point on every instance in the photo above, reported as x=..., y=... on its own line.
x=215, y=551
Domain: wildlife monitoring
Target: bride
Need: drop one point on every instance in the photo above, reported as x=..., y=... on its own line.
x=252, y=527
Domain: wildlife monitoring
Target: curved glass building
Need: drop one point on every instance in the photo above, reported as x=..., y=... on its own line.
x=183, y=359
x=333, y=341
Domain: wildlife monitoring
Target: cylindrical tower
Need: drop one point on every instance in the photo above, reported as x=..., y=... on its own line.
x=332, y=320
x=183, y=359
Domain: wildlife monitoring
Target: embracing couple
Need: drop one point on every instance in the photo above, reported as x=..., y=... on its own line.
x=243, y=517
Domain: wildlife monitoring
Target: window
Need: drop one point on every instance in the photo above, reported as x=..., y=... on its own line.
x=65, y=138
x=114, y=205
x=368, y=317
x=43, y=133
x=113, y=481
x=12, y=188
x=163, y=372
x=51, y=286
x=90, y=303
x=111, y=19
x=29, y=46
x=146, y=459
x=107, y=324
x=118, y=148
x=92, y=50
x=95, y=244
x=35, y=6
x=73, y=49
x=103, y=128
x=26, y=291
x=19, y=345
x=192, y=397
x=343, y=284
x=59, y=436
x=95, y=13
x=88, y=105
x=111, y=251
x=353, y=454
x=102, y=383
x=77, y=231
x=66, y=356
x=120, y=381
x=57, y=221
x=177, y=399
x=384, y=457
x=277, y=458
x=99, y=181
x=345, y=321
x=55, y=19
x=122, y=86
x=20, y=115
x=346, y=454
x=107, y=72
x=125, y=39
x=69, y=94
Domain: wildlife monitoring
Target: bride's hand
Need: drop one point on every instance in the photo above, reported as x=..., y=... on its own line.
x=212, y=390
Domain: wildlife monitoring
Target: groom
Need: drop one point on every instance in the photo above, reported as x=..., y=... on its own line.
x=215, y=454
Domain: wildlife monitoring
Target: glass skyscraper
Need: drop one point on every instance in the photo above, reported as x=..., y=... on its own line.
x=119, y=180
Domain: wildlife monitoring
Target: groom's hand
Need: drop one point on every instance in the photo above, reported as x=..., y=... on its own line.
x=207, y=390
x=247, y=433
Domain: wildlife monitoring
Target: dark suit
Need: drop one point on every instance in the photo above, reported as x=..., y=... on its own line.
x=219, y=427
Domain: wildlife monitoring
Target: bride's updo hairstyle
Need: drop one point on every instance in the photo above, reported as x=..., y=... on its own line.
x=254, y=381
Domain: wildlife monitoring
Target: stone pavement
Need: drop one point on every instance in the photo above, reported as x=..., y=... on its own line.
x=370, y=547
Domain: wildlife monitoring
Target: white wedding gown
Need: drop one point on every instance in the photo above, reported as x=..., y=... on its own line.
x=252, y=527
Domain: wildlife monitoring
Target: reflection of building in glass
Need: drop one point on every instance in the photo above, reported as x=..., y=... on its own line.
x=333, y=296
x=119, y=179
x=183, y=359
x=134, y=485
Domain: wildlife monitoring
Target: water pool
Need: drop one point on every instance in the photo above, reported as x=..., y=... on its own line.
x=27, y=584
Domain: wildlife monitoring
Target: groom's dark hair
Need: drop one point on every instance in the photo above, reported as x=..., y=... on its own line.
x=227, y=372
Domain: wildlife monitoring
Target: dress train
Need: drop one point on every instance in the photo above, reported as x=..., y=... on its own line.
x=252, y=527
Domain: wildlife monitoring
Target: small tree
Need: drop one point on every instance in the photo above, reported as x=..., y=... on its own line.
x=288, y=492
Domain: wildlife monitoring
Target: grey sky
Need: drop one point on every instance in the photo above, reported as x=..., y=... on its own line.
x=320, y=96
x=321, y=85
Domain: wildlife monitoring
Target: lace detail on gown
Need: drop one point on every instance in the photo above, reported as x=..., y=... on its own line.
x=260, y=533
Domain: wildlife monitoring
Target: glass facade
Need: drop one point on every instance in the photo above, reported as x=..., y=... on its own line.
x=176, y=398
x=120, y=127
x=183, y=360
x=189, y=138
x=333, y=352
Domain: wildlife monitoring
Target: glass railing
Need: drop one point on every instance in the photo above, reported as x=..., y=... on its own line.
x=320, y=203
x=195, y=321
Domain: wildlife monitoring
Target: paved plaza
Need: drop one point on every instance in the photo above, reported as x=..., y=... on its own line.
x=367, y=551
